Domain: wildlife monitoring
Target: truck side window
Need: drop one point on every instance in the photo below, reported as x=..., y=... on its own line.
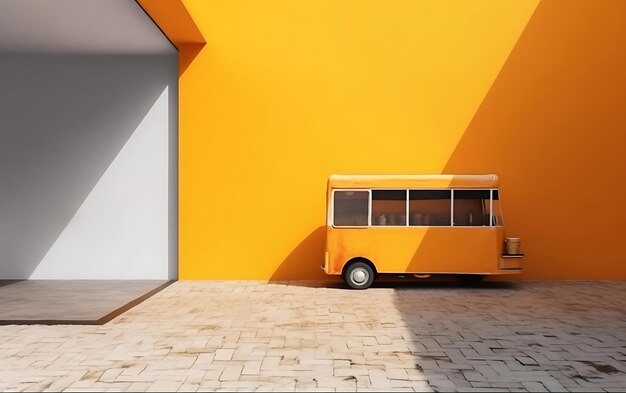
x=351, y=208
x=430, y=207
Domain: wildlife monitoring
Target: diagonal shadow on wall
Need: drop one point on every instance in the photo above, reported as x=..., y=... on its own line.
x=552, y=126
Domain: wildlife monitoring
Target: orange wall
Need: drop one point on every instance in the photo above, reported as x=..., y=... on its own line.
x=284, y=93
x=174, y=20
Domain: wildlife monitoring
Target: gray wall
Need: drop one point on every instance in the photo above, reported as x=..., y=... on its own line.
x=88, y=167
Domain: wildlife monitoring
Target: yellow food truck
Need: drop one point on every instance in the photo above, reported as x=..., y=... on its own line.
x=415, y=224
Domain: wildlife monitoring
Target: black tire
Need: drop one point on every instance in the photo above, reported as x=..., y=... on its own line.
x=358, y=275
x=471, y=278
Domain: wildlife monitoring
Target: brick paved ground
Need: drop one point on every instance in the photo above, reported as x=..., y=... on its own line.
x=229, y=335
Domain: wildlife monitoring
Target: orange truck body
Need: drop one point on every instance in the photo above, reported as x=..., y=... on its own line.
x=417, y=249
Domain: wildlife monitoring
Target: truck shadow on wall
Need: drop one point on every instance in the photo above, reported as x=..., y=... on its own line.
x=303, y=263
x=302, y=267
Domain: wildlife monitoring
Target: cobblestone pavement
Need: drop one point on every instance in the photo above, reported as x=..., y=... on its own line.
x=251, y=335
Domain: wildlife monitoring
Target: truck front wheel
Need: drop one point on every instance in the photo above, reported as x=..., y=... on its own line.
x=359, y=275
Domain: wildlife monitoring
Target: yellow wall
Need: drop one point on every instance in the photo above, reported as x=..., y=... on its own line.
x=284, y=93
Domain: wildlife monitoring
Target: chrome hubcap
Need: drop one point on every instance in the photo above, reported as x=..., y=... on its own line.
x=359, y=276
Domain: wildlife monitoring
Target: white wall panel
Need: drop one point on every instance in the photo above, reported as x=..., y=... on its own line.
x=88, y=167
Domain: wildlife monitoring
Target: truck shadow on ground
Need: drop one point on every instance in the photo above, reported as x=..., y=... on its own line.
x=440, y=282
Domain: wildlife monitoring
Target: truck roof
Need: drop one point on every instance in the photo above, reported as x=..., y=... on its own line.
x=413, y=181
